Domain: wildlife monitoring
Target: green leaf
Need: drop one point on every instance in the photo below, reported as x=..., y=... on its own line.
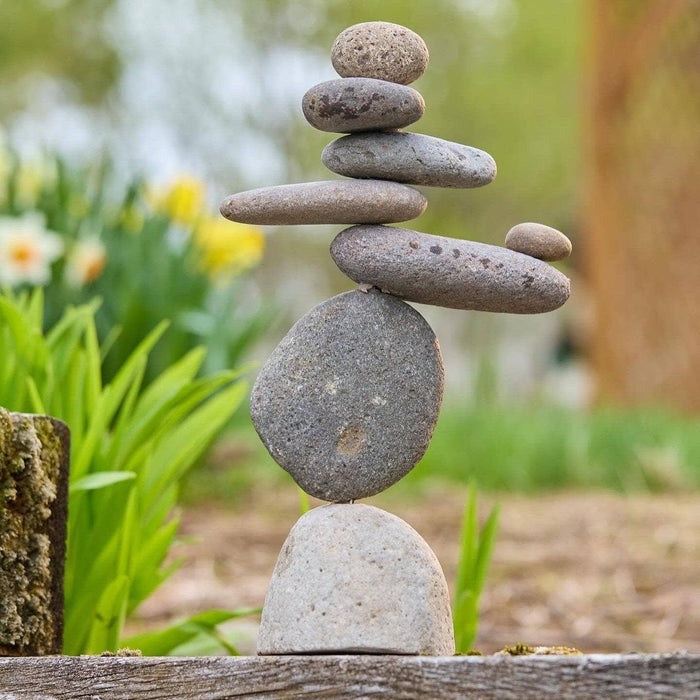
x=163, y=642
x=100, y=480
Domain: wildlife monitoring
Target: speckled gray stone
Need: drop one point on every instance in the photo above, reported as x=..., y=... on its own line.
x=448, y=272
x=538, y=241
x=361, y=104
x=356, y=579
x=380, y=50
x=414, y=159
x=326, y=202
x=348, y=401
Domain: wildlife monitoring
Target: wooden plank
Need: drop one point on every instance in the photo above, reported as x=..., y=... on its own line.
x=207, y=678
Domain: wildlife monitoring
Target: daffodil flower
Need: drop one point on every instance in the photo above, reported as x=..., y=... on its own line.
x=27, y=249
x=86, y=262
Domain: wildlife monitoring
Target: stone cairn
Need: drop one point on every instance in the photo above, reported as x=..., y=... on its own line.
x=348, y=401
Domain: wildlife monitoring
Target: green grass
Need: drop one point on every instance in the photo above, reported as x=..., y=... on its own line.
x=535, y=448
x=507, y=448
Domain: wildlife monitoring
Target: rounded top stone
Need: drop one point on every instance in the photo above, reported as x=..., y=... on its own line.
x=538, y=241
x=380, y=50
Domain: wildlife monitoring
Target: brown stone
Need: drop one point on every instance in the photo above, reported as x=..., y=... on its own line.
x=539, y=241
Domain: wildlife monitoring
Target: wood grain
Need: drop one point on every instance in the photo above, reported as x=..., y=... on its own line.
x=206, y=678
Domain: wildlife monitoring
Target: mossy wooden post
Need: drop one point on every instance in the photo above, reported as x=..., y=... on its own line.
x=34, y=457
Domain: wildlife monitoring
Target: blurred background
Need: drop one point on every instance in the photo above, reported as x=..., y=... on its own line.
x=126, y=122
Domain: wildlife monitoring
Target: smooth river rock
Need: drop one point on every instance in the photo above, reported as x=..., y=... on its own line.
x=415, y=159
x=356, y=579
x=539, y=241
x=361, y=104
x=447, y=271
x=380, y=50
x=348, y=400
x=326, y=202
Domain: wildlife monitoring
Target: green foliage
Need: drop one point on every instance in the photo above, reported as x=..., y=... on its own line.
x=56, y=39
x=130, y=449
x=474, y=559
x=201, y=629
x=539, y=447
x=149, y=254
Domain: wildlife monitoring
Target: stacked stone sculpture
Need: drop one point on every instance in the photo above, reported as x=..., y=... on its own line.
x=348, y=401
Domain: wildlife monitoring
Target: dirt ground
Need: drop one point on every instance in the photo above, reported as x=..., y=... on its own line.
x=603, y=573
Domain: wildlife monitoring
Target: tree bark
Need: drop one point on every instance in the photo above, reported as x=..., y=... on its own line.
x=34, y=459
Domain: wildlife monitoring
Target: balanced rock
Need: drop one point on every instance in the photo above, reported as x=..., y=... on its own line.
x=448, y=272
x=380, y=50
x=356, y=579
x=414, y=159
x=327, y=202
x=539, y=241
x=361, y=104
x=348, y=400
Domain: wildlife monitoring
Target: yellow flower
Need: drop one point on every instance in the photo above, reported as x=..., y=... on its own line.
x=183, y=201
x=229, y=248
x=27, y=250
x=86, y=262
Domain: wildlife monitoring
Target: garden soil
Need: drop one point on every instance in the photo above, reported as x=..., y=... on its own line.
x=603, y=573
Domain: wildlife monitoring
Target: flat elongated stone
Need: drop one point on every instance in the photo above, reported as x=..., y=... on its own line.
x=415, y=159
x=380, y=50
x=539, y=241
x=353, y=578
x=448, y=272
x=326, y=202
x=361, y=104
x=348, y=400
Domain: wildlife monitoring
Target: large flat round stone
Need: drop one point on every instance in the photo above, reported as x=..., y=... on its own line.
x=355, y=579
x=348, y=401
x=361, y=104
x=415, y=159
x=380, y=50
x=326, y=202
x=448, y=272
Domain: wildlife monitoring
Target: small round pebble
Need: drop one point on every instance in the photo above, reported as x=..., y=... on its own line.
x=352, y=578
x=380, y=50
x=539, y=241
x=348, y=400
x=347, y=105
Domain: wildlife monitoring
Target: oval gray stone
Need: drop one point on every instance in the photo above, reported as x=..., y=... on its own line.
x=352, y=578
x=361, y=104
x=326, y=202
x=348, y=400
x=415, y=159
x=539, y=241
x=380, y=50
x=447, y=271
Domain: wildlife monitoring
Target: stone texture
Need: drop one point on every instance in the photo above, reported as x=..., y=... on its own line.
x=326, y=202
x=380, y=50
x=34, y=453
x=447, y=271
x=538, y=241
x=414, y=159
x=348, y=401
x=361, y=104
x=353, y=578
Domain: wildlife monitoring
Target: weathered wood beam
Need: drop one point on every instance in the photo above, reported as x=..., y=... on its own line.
x=34, y=456
x=401, y=677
